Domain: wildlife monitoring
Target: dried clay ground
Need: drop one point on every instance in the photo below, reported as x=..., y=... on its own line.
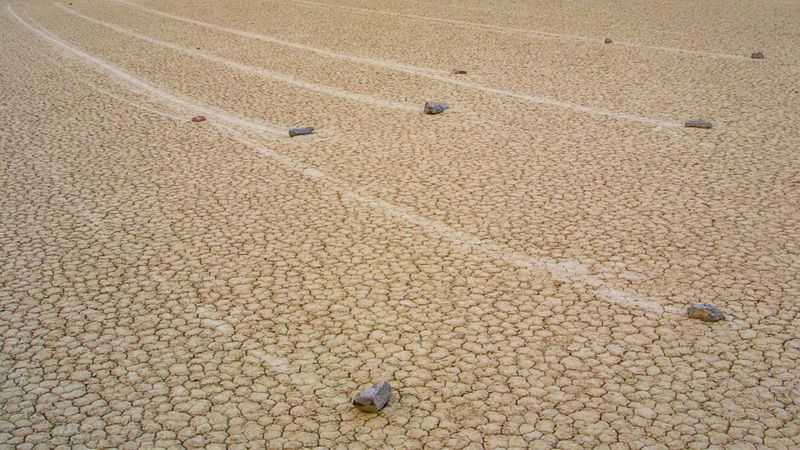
x=518, y=268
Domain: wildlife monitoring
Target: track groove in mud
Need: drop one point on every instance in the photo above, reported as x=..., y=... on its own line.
x=421, y=72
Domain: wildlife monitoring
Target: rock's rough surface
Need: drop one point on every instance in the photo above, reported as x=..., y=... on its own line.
x=374, y=398
x=198, y=119
x=757, y=55
x=435, y=107
x=706, y=313
x=698, y=123
x=608, y=40
x=300, y=131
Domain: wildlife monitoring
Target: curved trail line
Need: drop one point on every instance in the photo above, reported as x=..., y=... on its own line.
x=517, y=31
x=266, y=74
x=274, y=40
x=257, y=71
x=144, y=85
x=567, y=271
x=263, y=73
x=94, y=86
x=419, y=71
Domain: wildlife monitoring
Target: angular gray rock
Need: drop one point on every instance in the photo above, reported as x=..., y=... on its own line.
x=757, y=55
x=459, y=72
x=608, y=40
x=435, y=107
x=300, y=131
x=706, y=313
x=373, y=399
x=698, y=123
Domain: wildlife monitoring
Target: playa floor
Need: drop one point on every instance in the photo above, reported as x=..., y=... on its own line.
x=518, y=267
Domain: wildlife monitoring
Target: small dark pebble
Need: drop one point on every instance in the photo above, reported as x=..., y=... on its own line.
x=374, y=398
x=435, y=107
x=757, y=55
x=698, y=123
x=608, y=41
x=300, y=131
x=198, y=119
x=706, y=313
x=459, y=72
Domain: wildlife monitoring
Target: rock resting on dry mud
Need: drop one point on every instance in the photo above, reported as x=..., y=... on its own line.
x=373, y=399
x=300, y=131
x=698, y=123
x=608, y=40
x=757, y=55
x=706, y=313
x=435, y=107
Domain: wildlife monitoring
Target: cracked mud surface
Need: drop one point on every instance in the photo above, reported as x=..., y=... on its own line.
x=518, y=267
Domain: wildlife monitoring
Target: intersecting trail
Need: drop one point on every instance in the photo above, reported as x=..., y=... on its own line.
x=144, y=85
x=567, y=271
x=422, y=72
x=257, y=71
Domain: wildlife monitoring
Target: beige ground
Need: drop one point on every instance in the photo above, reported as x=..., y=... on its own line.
x=518, y=267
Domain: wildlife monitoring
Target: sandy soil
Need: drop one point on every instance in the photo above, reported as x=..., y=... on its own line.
x=518, y=267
